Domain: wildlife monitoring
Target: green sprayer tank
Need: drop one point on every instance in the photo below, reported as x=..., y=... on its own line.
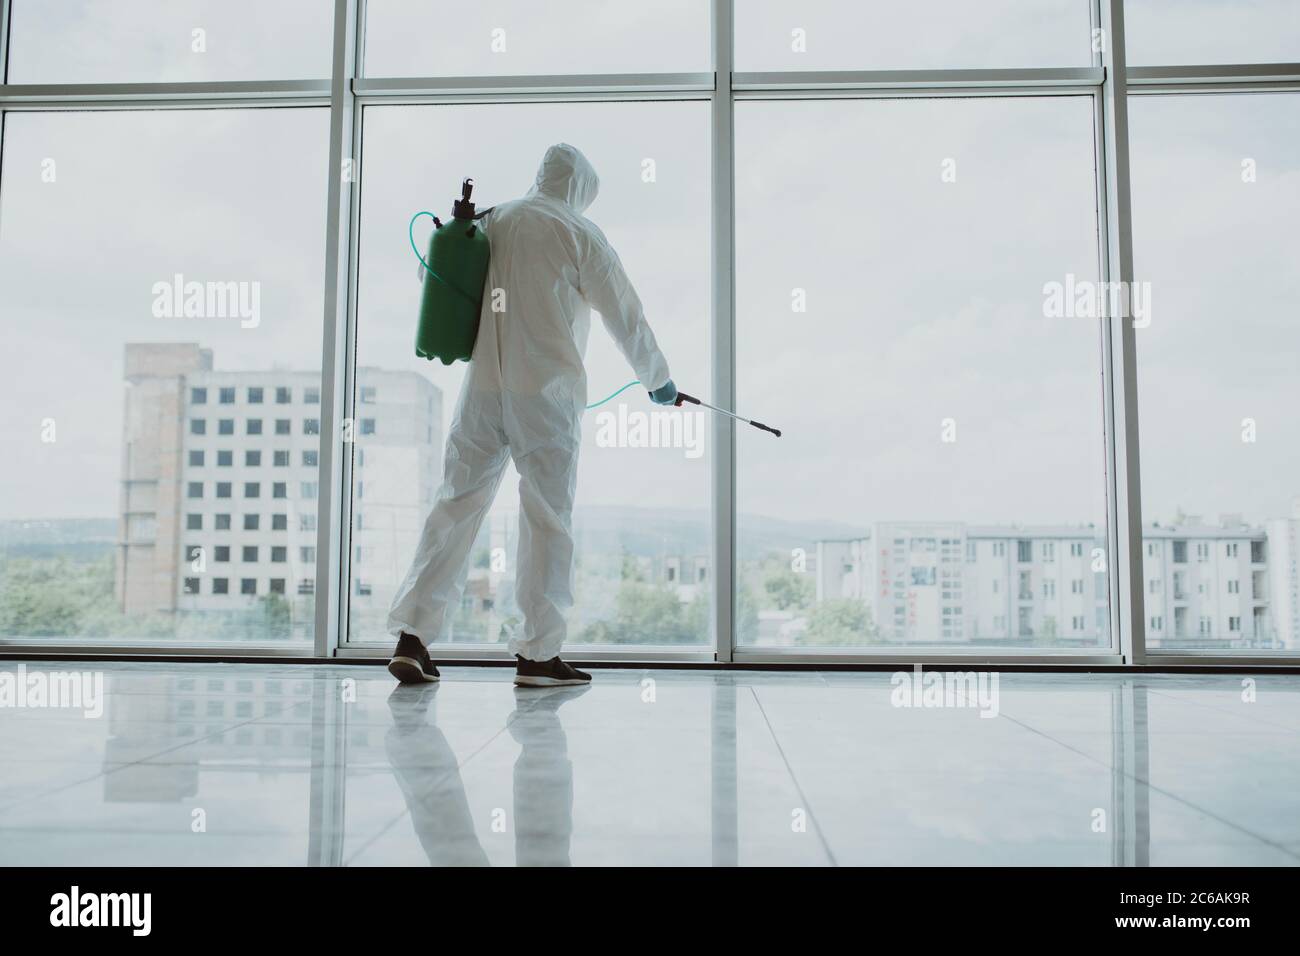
x=453, y=290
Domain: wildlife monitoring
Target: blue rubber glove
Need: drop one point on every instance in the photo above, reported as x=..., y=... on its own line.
x=666, y=394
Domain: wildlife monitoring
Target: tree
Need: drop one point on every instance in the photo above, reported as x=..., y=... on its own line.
x=789, y=589
x=841, y=621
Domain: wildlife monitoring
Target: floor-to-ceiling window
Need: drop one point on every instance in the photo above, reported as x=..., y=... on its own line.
x=894, y=231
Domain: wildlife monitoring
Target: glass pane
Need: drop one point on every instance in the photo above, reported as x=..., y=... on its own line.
x=642, y=515
x=1214, y=211
x=940, y=479
x=918, y=35
x=165, y=271
x=1170, y=32
x=514, y=37
x=155, y=41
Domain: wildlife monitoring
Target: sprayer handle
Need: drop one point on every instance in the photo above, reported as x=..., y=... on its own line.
x=683, y=397
x=766, y=428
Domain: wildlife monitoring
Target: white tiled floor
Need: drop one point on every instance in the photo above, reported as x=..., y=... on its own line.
x=240, y=764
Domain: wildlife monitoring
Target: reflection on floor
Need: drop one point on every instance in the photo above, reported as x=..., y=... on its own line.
x=237, y=764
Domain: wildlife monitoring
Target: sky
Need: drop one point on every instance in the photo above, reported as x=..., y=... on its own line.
x=924, y=296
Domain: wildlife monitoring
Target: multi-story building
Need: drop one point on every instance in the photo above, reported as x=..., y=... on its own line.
x=221, y=479
x=1225, y=586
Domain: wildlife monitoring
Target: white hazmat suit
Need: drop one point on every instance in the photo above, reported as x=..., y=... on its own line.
x=523, y=397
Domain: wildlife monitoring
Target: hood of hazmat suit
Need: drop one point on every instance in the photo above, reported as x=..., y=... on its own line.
x=523, y=399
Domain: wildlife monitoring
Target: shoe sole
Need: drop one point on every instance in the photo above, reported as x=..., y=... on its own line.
x=523, y=680
x=408, y=671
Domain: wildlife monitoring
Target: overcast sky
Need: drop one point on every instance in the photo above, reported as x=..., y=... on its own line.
x=924, y=297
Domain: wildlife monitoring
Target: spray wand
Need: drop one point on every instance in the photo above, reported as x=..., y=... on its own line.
x=683, y=397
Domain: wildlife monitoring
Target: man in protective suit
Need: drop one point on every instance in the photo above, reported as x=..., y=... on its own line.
x=523, y=399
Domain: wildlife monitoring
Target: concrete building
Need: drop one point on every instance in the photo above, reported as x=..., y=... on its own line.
x=221, y=479
x=1230, y=586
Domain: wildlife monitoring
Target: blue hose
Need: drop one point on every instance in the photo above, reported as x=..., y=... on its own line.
x=615, y=394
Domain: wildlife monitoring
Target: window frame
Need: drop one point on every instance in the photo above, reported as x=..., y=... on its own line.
x=347, y=92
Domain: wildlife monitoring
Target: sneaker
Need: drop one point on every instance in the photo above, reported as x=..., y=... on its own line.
x=411, y=663
x=552, y=673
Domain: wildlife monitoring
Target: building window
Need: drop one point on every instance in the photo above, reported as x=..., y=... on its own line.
x=191, y=585
x=254, y=426
x=283, y=396
x=194, y=522
x=198, y=426
x=283, y=426
x=1157, y=623
x=280, y=489
x=279, y=554
x=1257, y=552
x=309, y=490
x=1180, y=552
x=1049, y=550
x=252, y=489
x=367, y=426
x=279, y=522
x=307, y=555
x=221, y=553
x=196, y=459
x=198, y=396
x=1024, y=551
x=1230, y=550
x=252, y=459
x=254, y=395
x=307, y=522
x=1234, y=624
x=277, y=585
x=309, y=458
x=227, y=396
x=248, y=554
x=248, y=585
x=307, y=586
x=1234, y=586
x=221, y=585
x=311, y=396
x=311, y=426
x=280, y=459
x=222, y=522
x=251, y=522
x=367, y=394
x=194, y=489
x=225, y=459
x=363, y=588
x=226, y=426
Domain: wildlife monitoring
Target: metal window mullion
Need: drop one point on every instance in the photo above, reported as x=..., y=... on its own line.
x=536, y=85
x=1126, y=554
x=942, y=79
x=723, y=257
x=252, y=91
x=5, y=11
x=1228, y=74
x=329, y=530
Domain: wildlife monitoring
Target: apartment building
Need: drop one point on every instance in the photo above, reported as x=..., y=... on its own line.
x=221, y=478
x=1229, y=585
